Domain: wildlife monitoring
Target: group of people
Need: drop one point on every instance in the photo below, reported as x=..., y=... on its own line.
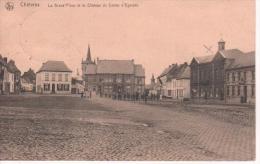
x=86, y=94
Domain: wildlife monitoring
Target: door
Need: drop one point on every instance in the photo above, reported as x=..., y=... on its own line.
x=245, y=94
x=53, y=88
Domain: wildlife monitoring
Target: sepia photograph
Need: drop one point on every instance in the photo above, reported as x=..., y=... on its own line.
x=128, y=80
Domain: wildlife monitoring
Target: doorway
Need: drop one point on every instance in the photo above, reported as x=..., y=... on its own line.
x=53, y=88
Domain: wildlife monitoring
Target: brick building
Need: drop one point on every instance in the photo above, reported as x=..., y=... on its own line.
x=208, y=72
x=113, y=78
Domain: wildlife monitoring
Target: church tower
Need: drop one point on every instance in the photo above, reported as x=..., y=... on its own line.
x=221, y=45
x=86, y=62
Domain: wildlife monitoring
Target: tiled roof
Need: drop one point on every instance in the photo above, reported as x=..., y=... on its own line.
x=180, y=72
x=245, y=60
x=231, y=53
x=167, y=70
x=139, y=70
x=54, y=66
x=115, y=67
x=12, y=67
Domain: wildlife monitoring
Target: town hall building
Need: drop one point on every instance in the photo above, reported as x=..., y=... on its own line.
x=113, y=78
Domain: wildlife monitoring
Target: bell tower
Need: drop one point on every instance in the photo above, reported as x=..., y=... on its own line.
x=221, y=45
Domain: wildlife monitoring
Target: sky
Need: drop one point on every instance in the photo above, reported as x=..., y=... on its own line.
x=155, y=34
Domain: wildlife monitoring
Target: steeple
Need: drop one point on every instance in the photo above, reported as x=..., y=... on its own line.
x=152, y=80
x=89, y=55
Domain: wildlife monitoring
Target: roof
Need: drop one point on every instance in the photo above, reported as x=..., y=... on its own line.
x=12, y=67
x=139, y=70
x=245, y=60
x=180, y=72
x=204, y=59
x=231, y=53
x=29, y=76
x=54, y=66
x=91, y=69
x=167, y=70
x=115, y=67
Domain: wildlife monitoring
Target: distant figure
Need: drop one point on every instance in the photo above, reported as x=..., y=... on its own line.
x=82, y=94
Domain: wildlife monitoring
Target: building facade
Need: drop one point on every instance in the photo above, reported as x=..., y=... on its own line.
x=17, y=76
x=28, y=81
x=240, y=80
x=113, y=78
x=208, y=73
x=9, y=77
x=175, y=81
x=53, y=77
x=165, y=80
x=181, y=82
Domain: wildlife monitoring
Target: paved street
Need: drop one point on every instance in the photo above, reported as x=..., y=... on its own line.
x=69, y=128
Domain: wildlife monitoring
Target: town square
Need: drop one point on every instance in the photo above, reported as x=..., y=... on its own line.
x=128, y=81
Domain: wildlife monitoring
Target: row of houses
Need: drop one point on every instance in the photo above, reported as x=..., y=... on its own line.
x=227, y=75
x=109, y=78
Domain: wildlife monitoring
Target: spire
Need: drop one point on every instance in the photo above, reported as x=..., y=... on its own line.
x=89, y=55
x=77, y=72
x=152, y=79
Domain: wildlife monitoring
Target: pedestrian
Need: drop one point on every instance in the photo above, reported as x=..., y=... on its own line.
x=82, y=94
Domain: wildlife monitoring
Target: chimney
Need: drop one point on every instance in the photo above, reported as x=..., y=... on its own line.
x=221, y=45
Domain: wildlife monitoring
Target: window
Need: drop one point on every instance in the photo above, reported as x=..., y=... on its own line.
x=59, y=87
x=46, y=87
x=239, y=76
x=216, y=74
x=238, y=90
x=233, y=90
x=253, y=75
x=227, y=76
x=228, y=90
x=194, y=74
x=53, y=77
x=46, y=76
x=59, y=77
x=245, y=76
x=253, y=90
x=169, y=92
x=118, y=79
x=128, y=89
x=233, y=76
x=66, y=77
x=127, y=79
x=66, y=87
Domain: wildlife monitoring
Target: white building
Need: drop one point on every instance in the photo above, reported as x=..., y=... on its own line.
x=8, y=81
x=165, y=81
x=175, y=81
x=54, y=77
x=181, y=82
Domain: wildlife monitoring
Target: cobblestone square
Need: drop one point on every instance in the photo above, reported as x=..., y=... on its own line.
x=70, y=128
